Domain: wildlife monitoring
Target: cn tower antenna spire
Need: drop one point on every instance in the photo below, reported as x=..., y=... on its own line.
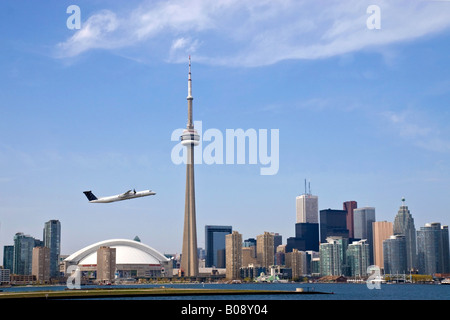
x=190, y=124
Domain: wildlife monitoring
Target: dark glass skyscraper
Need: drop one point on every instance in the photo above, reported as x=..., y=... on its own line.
x=333, y=223
x=306, y=238
x=52, y=240
x=215, y=245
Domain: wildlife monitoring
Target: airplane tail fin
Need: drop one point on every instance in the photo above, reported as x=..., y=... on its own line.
x=90, y=195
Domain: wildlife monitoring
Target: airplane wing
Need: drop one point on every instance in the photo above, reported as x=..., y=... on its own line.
x=126, y=193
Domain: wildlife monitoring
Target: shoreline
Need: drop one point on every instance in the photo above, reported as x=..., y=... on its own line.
x=144, y=292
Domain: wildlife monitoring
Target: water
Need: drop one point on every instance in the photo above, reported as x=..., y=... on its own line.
x=341, y=291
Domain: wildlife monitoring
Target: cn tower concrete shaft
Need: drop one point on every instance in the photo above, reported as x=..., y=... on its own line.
x=190, y=138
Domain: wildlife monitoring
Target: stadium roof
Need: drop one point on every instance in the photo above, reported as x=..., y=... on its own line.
x=127, y=252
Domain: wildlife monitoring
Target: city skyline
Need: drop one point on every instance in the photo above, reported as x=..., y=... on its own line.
x=364, y=122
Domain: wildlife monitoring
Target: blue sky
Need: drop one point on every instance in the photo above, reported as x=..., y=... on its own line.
x=362, y=114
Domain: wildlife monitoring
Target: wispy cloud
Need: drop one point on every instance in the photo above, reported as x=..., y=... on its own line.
x=257, y=32
x=414, y=128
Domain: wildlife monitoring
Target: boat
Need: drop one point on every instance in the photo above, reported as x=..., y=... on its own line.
x=445, y=281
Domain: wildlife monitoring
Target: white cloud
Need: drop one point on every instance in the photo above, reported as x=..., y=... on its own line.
x=258, y=32
x=414, y=128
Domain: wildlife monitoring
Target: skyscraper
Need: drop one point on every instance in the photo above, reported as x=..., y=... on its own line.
x=52, y=240
x=41, y=264
x=306, y=238
x=349, y=206
x=190, y=138
x=332, y=256
x=394, y=255
x=307, y=208
x=363, y=218
x=333, y=222
x=264, y=249
x=23, y=254
x=404, y=225
x=106, y=263
x=358, y=258
x=233, y=244
x=215, y=245
x=433, y=249
x=382, y=230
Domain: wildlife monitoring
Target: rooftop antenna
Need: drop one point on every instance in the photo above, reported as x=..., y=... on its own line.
x=305, y=187
x=309, y=185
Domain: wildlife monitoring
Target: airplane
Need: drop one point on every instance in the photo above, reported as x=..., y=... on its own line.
x=130, y=194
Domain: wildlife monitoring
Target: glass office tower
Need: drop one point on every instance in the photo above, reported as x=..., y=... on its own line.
x=433, y=249
x=215, y=245
x=52, y=240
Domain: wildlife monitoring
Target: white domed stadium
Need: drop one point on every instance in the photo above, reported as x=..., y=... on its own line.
x=133, y=259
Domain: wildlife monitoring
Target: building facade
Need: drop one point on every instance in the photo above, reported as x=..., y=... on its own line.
x=382, y=230
x=363, y=219
x=52, y=240
x=333, y=223
x=264, y=250
x=233, y=244
x=297, y=261
x=332, y=255
x=358, y=258
x=215, y=245
x=404, y=225
x=394, y=253
x=106, y=264
x=41, y=264
x=306, y=238
x=433, y=249
x=23, y=254
x=349, y=206
x=307, y=208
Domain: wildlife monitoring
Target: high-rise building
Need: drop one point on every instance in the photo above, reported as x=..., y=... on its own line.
x=233, y=255
x=404, y=225
x=382, y=230
x=41, y=264
x=23, y=254
x=215, y=245
x=433, y=249
x=8, y=257
x=332, y=256
x=306, y=238
x=349, y=206
x=358, y=258
x=277, y=240
x=363, y=218
x=52, y=240
x=307, y=208
x=106, y=264
x=190, y=138
x=264, y=250
x=333, y=223
x=394, y=255
x=298, y=262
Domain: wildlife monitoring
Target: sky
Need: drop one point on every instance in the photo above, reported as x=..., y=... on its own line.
x=361, y=112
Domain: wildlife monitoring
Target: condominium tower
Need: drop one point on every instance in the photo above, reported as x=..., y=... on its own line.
x=233, y=245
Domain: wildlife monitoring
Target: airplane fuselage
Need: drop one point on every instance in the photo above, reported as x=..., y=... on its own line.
x=124, y=196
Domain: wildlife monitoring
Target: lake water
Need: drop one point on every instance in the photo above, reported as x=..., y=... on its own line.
x=341, y=291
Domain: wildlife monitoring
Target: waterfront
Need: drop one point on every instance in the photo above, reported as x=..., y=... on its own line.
x=340, y=291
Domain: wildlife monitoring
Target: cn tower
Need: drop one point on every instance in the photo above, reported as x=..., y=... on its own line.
x=189, y=138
